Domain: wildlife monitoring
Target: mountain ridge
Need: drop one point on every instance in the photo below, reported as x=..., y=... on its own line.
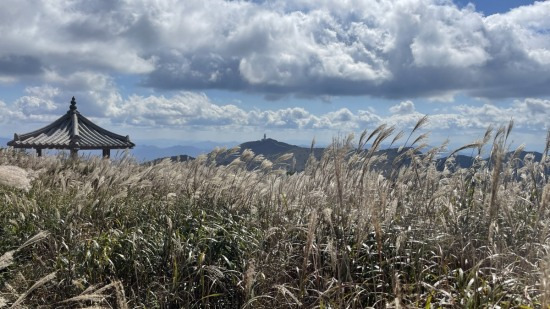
x=272, y=149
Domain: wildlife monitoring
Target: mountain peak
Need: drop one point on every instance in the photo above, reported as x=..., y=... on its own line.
x=267, y=146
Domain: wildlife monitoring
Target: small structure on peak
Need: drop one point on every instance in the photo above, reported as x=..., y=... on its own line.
x=264, y=138
x=74, y=132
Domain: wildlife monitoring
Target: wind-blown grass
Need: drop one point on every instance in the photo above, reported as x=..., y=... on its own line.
x=338, y=235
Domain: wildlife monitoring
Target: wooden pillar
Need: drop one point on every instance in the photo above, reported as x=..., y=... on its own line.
x=38, y=152
x=106, y=153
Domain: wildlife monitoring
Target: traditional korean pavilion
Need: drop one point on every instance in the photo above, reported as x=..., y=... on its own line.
x=74, y=132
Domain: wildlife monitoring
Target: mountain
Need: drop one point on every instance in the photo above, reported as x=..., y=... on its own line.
x=272, y=149
x=148, y=152
x=537, y=156
x=180, y=158
x=144, y=151
x=463, y=161
x=460, y=161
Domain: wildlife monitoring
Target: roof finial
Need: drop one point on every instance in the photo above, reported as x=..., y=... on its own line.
x=73, y=104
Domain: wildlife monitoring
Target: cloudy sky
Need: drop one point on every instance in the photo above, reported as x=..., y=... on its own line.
x=294, y=69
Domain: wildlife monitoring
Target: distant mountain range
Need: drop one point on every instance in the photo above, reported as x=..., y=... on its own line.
x=272, y=149
x=462, y=161
x=148, y=153
x=143, y=152
x=179, y=158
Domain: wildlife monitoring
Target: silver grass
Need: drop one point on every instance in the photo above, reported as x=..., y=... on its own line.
x=14, y=177
x=35, y=286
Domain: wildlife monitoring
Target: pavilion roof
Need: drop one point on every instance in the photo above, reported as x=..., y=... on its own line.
x=71, y=131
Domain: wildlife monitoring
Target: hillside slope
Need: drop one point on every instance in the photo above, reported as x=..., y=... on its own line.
x=272, y=149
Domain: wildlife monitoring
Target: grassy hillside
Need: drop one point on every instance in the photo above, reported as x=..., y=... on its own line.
x=117, y=234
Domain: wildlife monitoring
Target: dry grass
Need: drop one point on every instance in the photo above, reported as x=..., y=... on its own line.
x=338, y=235
x=15, y=177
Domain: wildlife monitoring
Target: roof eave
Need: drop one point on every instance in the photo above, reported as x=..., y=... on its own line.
x=29, y=146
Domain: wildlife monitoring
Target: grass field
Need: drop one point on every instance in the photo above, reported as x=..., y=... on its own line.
x=116, y=234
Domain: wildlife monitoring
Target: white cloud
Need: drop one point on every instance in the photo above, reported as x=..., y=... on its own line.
x=31, y=105
x=63, y=36
x=183, y=110
x=450, y=38
x=6, y=114
x=196, y=110
x=188, y=109
x=403, y=108
x=528, y=113
x=403, y=48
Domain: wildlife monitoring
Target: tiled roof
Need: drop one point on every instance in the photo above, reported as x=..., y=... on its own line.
x=72, y=131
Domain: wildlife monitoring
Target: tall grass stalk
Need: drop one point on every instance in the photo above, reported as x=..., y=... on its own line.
x=358, y=228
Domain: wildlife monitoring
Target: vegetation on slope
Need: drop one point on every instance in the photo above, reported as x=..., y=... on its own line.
x=117, y=234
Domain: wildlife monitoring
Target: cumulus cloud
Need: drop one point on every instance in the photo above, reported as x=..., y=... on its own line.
x=97, y=96
x=193, y=110
x=185, y=109
x=63, y=36
x=401, y=49
x=403, y=108
x=189, y=109
x=528, y=113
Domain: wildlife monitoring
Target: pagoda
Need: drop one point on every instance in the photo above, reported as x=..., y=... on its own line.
x=74, y=132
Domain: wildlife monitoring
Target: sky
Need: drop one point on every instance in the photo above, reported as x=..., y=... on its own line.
x=169, y=71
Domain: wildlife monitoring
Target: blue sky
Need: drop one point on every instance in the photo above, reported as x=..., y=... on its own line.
x=489, y=7
x=233, y=70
